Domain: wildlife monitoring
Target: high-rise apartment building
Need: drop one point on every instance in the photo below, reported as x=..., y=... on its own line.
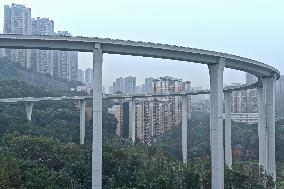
x=130, y=85
x=65, y=65
x=117, y=111
x=42, y=26
x=148, y=124
x=58, y=64
x=42, y=61
x=251, y=94
x=148, y=86
x=239, y=100
x=65, y=62
x=119, y=85
x=125, y=85
x=245, y=101
x=170, y=85
x=17, y=20
x=153, y=116
x=121, y=111
x=73, y=65
x=251, y=101
x=88, y=76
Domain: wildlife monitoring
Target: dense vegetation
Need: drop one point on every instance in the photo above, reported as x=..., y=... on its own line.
x=45, y=156
x=244, y=143
x=45, y=153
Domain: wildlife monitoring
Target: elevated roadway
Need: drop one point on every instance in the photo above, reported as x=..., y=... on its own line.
x=216, y=62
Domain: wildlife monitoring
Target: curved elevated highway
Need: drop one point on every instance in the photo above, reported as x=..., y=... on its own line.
x=216, y=62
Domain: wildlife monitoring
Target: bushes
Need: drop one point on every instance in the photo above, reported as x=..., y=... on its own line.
x=43, y=161
x=37, y=161
x=10, y=172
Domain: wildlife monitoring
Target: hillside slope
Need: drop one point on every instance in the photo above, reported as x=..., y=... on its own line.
x=17, y=89
x=12, y=71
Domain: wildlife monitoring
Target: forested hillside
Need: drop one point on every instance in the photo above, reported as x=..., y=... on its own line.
x=45, y=153
x=15, y=89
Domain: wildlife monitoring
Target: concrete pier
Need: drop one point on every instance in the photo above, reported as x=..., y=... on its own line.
x=97, y=119
x=216, y=123
x=133, y=121
x=262, y=132
x=269, y=100
x=29, y=110
x=184, y=128
x=82, y=120
x=228, y=132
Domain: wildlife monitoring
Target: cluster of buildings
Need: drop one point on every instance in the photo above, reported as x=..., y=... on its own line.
x=86, y=77
x=244, y=103
x=57, y=64
x=153, y=116
x=125, y=85
x=121, y=85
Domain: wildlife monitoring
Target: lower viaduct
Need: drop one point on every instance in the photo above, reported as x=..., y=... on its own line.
x=219, y=96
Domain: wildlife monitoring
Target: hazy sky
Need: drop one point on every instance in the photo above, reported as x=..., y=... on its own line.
x=253, y=29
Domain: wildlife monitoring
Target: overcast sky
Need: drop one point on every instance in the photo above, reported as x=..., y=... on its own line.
x=253, y=29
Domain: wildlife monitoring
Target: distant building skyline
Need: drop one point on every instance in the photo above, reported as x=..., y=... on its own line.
x=17, y=20
x=232, y=33
x=153, y=115
x=148, y=86
x=42, y=60
x=125, y=85
x=262, y=46
x=57, y=64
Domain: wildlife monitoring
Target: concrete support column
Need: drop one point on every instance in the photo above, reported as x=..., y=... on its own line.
x=269, y=100
x=133, y=121
x=29, y=110
x=262, y=138
x=184, y=128
x=216, y=123
x=82, y=120
x=97, y=119
x=228, y=125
